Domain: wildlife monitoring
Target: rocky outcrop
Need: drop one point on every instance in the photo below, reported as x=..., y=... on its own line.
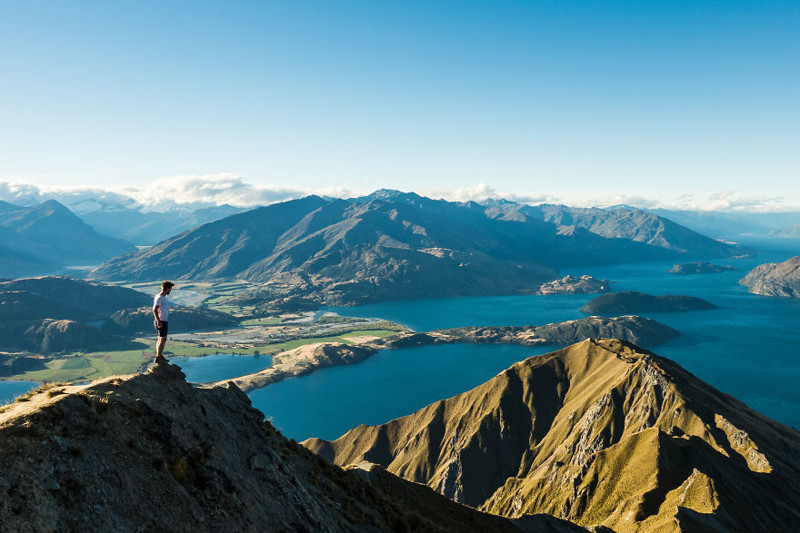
x=575, y=285
x=151, y=453
x=600, y=433
x=775, y=279
x=700, y=267
x=627, y=302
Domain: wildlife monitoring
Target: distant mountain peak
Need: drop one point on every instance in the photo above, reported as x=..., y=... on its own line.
x=390, y=194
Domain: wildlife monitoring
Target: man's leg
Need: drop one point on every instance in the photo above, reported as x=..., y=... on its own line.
x=160, y=346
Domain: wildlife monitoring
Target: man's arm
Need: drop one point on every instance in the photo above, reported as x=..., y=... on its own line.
x=155, y=312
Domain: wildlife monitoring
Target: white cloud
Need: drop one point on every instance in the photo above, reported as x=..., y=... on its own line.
x=482, y=192
x=189, y=192
x=210, y=190
x=192, y=192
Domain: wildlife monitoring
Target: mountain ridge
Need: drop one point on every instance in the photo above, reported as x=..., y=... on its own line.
x=385, y=246
x=600, y=433
x=149, y=452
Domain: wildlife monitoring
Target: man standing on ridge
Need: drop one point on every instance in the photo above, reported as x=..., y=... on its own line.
x=161, y=312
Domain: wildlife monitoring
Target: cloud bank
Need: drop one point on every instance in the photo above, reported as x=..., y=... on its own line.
x=193, y=192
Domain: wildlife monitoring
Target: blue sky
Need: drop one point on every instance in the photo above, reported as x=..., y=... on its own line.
x=573, y=101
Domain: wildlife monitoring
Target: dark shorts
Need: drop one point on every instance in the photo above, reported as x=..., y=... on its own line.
x=162, y=331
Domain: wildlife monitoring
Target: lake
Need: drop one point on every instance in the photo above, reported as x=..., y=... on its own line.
x=220, y=366
x=748, y=348
x=390, y=384
x=11, y=389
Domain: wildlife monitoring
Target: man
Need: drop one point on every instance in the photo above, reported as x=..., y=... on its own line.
x=161, y=312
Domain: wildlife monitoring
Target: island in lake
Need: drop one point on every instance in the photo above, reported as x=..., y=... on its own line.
x=575, y=285
x=638, y=302
x=700, y=267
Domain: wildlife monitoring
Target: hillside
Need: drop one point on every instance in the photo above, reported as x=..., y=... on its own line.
x=55, y=313
x=45, y=237
x=384, y=246
x=775, y=279
x=601, y=432
x=149, y=452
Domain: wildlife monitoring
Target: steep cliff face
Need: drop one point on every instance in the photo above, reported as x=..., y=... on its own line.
x=151, y=453
x=601, y=433
x=775, y=279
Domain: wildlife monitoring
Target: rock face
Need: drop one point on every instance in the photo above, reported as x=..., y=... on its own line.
x=385, y=246
x=575, y=285
x=700, y=267
x=600, y=433
x=638, y=302
x=775, y=279
x=151, y=453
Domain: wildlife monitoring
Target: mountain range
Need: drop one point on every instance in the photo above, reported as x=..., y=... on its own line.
x=731, y=225
x=599, y=433
x=48, y=237
x=392, y=245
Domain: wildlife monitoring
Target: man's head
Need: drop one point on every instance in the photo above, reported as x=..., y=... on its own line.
x=166, y=286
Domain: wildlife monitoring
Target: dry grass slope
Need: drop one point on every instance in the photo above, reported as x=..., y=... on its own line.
x=600, y=433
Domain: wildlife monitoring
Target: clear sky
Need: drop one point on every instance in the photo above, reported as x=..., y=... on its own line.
x=594, y=99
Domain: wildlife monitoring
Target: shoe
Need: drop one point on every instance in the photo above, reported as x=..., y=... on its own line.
x=160, y=360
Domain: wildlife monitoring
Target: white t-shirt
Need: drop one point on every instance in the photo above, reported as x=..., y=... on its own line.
x=161, y=301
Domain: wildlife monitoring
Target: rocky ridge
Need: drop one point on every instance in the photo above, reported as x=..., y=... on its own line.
x=149, y=452
x=600, y=433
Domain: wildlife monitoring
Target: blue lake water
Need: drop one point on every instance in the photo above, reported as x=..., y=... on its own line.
x=11, y=389
x=220, y=366
x=390, y=384
x=748, y=348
